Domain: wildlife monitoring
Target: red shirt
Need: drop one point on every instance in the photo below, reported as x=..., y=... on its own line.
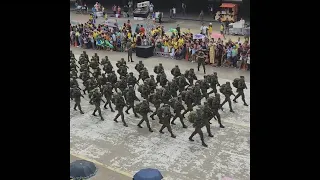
x=142, y=30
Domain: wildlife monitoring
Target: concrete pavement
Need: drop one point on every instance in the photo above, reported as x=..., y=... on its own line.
x=129, y=149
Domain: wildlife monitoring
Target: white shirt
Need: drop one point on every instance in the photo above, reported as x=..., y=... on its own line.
x=203, y=29
x=173, y=10
x=248, y=61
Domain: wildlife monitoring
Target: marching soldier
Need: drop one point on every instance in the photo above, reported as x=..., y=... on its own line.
x=139, y=66
x=226, y=90
x=178, y=107
x=240, y=84
x=118, y=100
x=191, y=76
x=96, y=99
x=144, y=109
x=130, y=97
x=155, y=99
x=216, y=105
x=176, y=71
x=76, y=94
x=107, y=92
x=198, y=123
x=166, y=116
x=214, y=82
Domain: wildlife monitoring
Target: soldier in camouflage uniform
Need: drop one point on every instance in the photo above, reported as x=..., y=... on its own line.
x=241, y=85
x=207, y=115
x=226, y=90
x=178, y=107
x=74, y=72
x=144, y=74
x=122, y=71
x=165, y=95
x=139, y=66
x=182, y=82
x=151, y=83
x=201, y=61
x=85, y=55
x=131, y=80
x=76, y=94
x=158, y=69
x=191, y=76
x=216, y=105
x=107, y=92
x=155, y=99
x=96, y=73
x=108, y=67
x=204, y=86
x=189, y=100
x=96, y=99
x=112, y=78
x=84, y=76
x=197, y=94
x=118, y=100
x=121, y=84
x=122, y=62
x=198, y=123
x=165, y=116
x=144, y=91
x=104, y=61
x=130, y=97
x=162, y=79
x=96, y=57
x=73, y=81
x=214, y=82
x=176, y=71
x=173, y=85
x=94, y=64
x=144, y=109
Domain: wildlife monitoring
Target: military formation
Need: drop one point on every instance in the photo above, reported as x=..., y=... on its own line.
x=172, y=99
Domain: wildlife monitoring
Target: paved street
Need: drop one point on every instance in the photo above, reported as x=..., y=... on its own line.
x=129, y=149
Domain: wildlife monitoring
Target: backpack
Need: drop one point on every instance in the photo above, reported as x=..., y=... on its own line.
x=223, y=88
x=235, y=82
x=155, y=69
x=186, y=74
x=140, y=88
x=138, y=108
x=192, y=117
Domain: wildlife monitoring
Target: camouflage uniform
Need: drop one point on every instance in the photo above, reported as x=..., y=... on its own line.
x=144, y=91
x=144, y=109
x=118, y=100
x=112, y=78
x=76, y=94
x=162, y=79
x=191, y=76
x=151, y=83
x=130, y=97
x=189, y=100
x=178, y=107
x=131, y=80
x=201, y=61
x=241, y=86
x=214, y=82
x=173, y=87
x=155, y=99
x=182, y=83
x=226, y=90
x=176, y=71
x=197, y=94
x=198, y=123
x=107, y=92
x=207, y=115
x=139, y=66
x=144, y=74
x=96, y=99
x=122, y=71
x=165, y=95
x=216, y=105
x=165, y=116
x=204, y=86
x=108, y=67
x=121, y=84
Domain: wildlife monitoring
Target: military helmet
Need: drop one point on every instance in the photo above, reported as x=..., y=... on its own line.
x=95, y=54
x=242, y=77
x=228, y=82
x=130, y=86
x=106, y=58
x=215, y=73
x=96, y=89
x=140, y=62
x=130, y=73
x=122, y=59
x=191, y=69
x=160, y=64
x=108, y=83
x=176, y=66
x=74, y=77
x=84, y=52
x=151, y=75
x=201, y=53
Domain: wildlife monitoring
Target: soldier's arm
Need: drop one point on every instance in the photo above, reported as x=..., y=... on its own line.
x=103, y=100
x=137, y=98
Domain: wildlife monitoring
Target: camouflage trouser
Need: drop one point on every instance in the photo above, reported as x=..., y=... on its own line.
x=190, y=81
x=207, y=124
x=227, y=99
x=108, y=98
x=97, y=109
x=189, y=109
x=202, y=63
x=131, y=105
x=214, y=89
x=197, y=130
x=166, y=125
x=197, y=100
x=174, y=93
x=178, y=115
x=181, y=88
x=157, y=106
x=216, y=113
x=77, y=104
x=120, y=113
x=145, y=118
x=204, y=93
x=240, y=93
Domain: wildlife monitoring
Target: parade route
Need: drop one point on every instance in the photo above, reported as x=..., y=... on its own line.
x=122, y=151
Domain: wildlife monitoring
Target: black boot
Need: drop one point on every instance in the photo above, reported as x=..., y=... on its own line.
x=173, y=136
x=231, y=111
x=152, y=117
x=210, y=135
x=221, y=126
x=139, y=125
x=190, y=139
x=204, y=144
x=245, y=104
x=161, y=132
x=127, y=111
x=150, y=130
x=81, y=112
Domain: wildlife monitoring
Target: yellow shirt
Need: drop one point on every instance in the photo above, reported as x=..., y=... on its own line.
x=181, y=42
x=221, y=28
x=166, y=43
x=175, y=45
x=129, y=35
x=95, y=35
x=210, y=29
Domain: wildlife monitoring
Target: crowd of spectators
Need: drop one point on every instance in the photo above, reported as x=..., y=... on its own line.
x=176, y=44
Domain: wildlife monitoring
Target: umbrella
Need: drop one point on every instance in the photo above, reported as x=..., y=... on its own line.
x=148, y=174
x=198, y=36
x=216, y=35
x=82, y=169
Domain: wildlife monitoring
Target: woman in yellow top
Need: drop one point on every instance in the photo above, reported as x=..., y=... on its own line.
x=129, y=35
x=181, y=41
x=210, y=29
x=175, y=44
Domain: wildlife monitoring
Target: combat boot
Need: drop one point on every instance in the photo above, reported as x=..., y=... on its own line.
x=235, y=101
x=139, y=125
x=102, y=118
x=221, y=126
x=161, y=132
x=127, y=111
x=150, y=130
x=184, y=126
x=245, y=104
x=204, y=144
x=190, y=139
x=125, y=124
x=173, y=136
x=210, y=135
x=231, y=111
x=152, y=117
x=81, y=112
